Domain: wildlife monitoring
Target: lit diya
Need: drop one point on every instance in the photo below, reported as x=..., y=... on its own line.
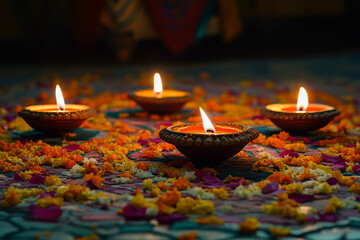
x=56, y=119
x=301, y=117
x=160, y=101
x=207, y=144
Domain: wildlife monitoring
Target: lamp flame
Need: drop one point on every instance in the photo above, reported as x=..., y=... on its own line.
x=303, y=100
x=208, y=126
x=158, y=88
x=59, y=99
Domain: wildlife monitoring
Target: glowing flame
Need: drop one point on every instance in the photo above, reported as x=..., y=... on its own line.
x=208, y=127
x=59, y=99
x=303, y=100
x=158, y=88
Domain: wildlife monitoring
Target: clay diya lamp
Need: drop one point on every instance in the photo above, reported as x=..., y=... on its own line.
x=56, y=119
x=160, y=101
x=301, y=117
x=207, y=144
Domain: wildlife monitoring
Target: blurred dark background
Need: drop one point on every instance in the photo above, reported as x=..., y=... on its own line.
x=173, y=31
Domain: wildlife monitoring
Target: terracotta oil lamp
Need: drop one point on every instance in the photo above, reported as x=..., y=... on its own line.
x=160, y=101
x=301, y=117
x=207, y=144
x=56, y=119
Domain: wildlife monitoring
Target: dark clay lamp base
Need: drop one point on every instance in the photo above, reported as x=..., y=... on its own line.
x=47, y=119
x=209, y=149
x=300, y=122
x=161, y=105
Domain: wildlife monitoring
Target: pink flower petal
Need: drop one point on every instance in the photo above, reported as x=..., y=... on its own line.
x=291, y=138
x=45, y=214
x=143, y=142
x=71, y=147
x=288, y=153
x=169, y=219
x=131, y=213
x=212, y=181
x=168, y=124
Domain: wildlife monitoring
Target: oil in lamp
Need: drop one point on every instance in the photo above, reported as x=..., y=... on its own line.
x=56, y=119
x=208, y=144
x=160, y=101
x=301, y=117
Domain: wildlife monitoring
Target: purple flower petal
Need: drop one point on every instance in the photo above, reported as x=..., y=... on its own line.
x=51, y=194
x=307, y=140
x=9, y=118
x=261, y=117
x=270, y=188
x=281, y=190
x=45, y=214
x=231, y=92
x=356, y=169
x=329, y=217
x=37, y=179
x=288, y=153
x=301, y=198
x=104, y=216
x=71, y=147
x=310, y=218
x=233, y=185
x=104, y=207
x=155, y=171
x=332, y=181
x=201, y=174
x=169, y=219
x=212, y=181
x=332, y=159
x=90, y=184
x=351, y=145
x=17, y=177
x=357, y=198
x=341, y=165
x=131, y=213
